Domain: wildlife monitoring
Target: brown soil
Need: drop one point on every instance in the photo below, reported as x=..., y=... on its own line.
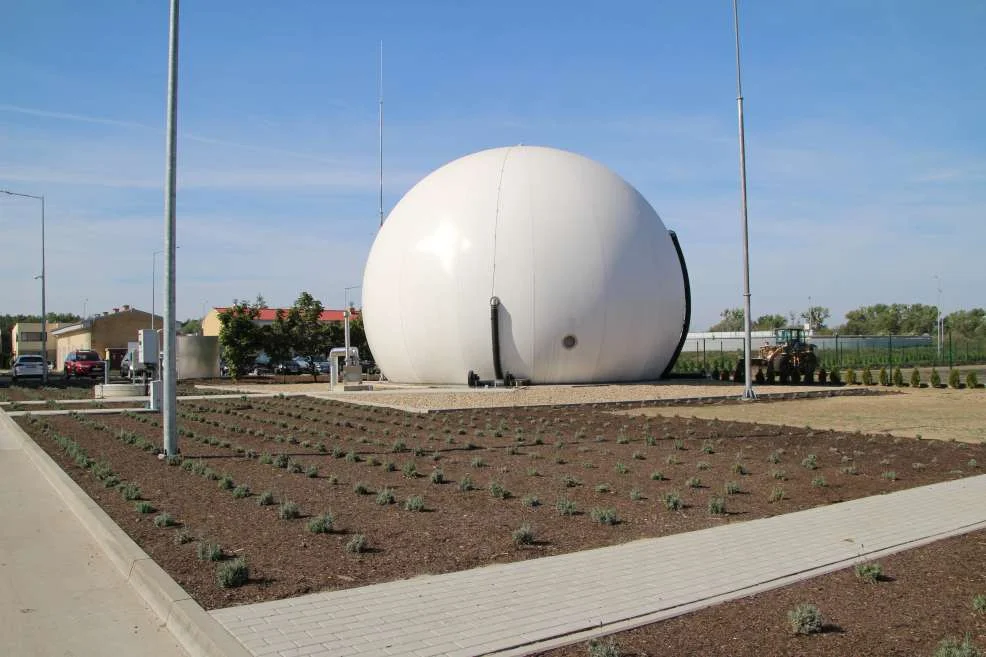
x=59, y=389
x=926, y=595
x=531, y=452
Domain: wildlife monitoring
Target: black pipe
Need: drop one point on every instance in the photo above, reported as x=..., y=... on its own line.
x=686, y=324
x=495, y=332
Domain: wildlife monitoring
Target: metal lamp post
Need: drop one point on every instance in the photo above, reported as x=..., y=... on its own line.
x=44, y=309
x=170, y=423
x=747, y=338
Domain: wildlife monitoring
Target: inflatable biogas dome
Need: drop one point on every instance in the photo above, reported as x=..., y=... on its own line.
x=524, y=263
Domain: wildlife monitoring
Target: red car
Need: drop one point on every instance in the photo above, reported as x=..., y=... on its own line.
x=84, y=363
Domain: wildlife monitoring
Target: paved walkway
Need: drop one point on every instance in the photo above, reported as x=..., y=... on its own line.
x=518, y=608
x=59, y=592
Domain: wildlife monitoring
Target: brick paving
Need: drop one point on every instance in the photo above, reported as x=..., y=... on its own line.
x=519, y=608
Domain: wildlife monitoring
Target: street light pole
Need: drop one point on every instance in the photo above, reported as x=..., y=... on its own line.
x=170, y=423
x=153, y=282
x=748, y=392
x=44, y=309
x=939, y=324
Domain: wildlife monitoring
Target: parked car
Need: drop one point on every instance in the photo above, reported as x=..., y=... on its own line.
x=288, y=367
x=83, y=363
x=27, y=366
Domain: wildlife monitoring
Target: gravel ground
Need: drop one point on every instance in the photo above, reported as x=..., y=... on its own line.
x=433, y=398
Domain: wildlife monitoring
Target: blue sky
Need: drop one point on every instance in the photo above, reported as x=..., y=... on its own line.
x=866, y=146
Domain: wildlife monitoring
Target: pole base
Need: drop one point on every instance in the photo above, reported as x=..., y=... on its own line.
x=748, y=394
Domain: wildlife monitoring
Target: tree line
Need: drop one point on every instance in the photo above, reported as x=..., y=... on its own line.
x=878, y=319
x=296, y=331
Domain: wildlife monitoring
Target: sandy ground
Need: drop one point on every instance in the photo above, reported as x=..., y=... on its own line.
x=941, y=414
x=425, y=398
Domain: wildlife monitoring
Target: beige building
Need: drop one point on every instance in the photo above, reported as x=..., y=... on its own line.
x=25, y=338
x=211, y=325
x=107, y=334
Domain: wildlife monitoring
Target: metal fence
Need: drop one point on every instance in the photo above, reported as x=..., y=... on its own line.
x=709, y=353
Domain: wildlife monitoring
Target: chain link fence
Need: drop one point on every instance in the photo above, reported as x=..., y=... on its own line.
x=708, y=353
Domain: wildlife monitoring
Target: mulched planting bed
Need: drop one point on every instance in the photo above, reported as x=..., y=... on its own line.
x=924, y=596
x=59, y=389
x=565, y=471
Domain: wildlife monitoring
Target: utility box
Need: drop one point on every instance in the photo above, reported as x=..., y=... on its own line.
x=156, y=390
x=352, y=374
x=147, y=350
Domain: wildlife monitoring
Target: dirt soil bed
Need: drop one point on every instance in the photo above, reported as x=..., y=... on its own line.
x=557, y=469
x=925, y=595
x=940, y=414
x=59, y=389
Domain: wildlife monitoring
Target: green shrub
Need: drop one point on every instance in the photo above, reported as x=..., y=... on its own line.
x=954, y=378
x=869, y=572
x=810, y=462
x=979, y=603
x=732, y=488
x=165, y=519
x=311, y=471
x=693, y=482
x=226, y=483
x=935, y=378
x=409, y=470
x=776, y=494
x=703, y=465
x=321, y=524
x=386, y=496
x=657, y=475
x=182, y=536
x=266, y=498
x=834, y=376
x=971, y=380
x=952, y=647
x=889, y=475
x=867, y=377
x=288, y=511
x=465, y=484
x=233, y=573
x=241, y=491
x=882, y=377
x=414, y=503
x=774, y=456
x=672, y=501
x=851, y=376
x=621, y=468
x=357, y=544
x=530, y=501
x=565, y=507
x=717, y=506
x=898, y=377
x=819, y=482
x=915, y=378
x=206, y=551
x=360, y=488
x=737, y=468
x=265, y=458
x=130, y=491
x=599, y=649
x=805, y=619
x=523, y=535
x=604, y=516
x=398, y=447
x=498, y=491
x=437, y=476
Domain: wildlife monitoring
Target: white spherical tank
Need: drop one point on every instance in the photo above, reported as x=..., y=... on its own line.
x=588, y=281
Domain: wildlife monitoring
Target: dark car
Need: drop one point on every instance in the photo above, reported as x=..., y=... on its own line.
x=84, y=363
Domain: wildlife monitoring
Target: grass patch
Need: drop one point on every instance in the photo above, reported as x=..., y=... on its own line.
x=321, y=524
x=233, y=573
x=805, y=619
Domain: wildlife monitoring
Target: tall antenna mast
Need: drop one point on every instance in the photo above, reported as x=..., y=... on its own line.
x=381, y=132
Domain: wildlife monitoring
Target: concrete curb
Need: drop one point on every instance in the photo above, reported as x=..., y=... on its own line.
x=194, y=628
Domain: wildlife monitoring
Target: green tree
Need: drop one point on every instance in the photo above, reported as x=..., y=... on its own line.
x=732, y=320
x=239, y=335
x=309, y=336
x=769, y=322
x=968, y=323
x=357, y=337
x=190, y=327
x=276, y=339
x=896, y=319
x=816, y=316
